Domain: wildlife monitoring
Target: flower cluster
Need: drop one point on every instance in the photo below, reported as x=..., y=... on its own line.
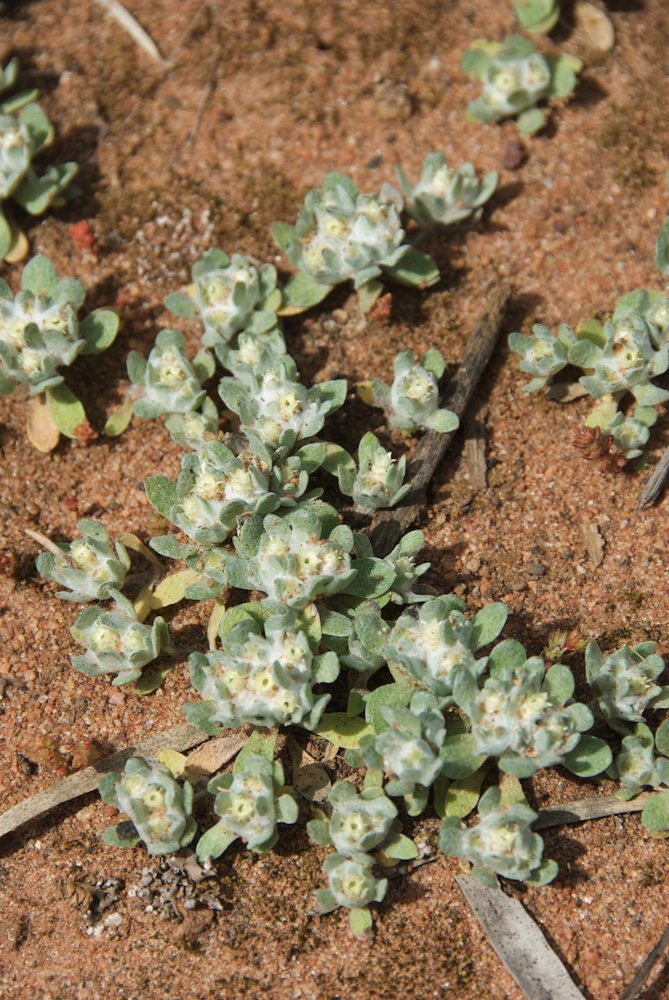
x=158, y=806
x=250, y=802
x=412, y=401
x=446, y=197
x=263, y=675
x=25, y=131
x=40, y=330
x=515, y=78
x=295, y=558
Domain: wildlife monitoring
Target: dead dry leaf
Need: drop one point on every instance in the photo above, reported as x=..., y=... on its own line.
x=566, y=392
x=594, y=542
x=40, y=428
x=519, y=942
x=214, y=754
x=310, y=779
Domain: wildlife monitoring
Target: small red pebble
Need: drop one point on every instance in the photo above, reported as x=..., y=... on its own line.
x=84, y=433
x=83, y=235
x=71, y=503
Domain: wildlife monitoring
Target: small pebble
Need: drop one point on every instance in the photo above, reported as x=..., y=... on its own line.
x=514, y=156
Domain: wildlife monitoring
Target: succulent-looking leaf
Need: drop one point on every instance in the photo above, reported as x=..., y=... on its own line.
x=65, y=410
x=119, y=419
x=301, y=293
x=591, y=757
x=341, y=730
x=360, y=920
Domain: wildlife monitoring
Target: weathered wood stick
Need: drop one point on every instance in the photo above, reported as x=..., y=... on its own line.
x=180, y=738
x=388, y=526
x=584, y=809
x=655, y=483
x=642, y=974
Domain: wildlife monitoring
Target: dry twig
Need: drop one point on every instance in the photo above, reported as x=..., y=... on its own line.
x=584, y=809
x=644, y=971
x=475, y=447
x=655, y=483
x=134, y=29
x=204, y=98
x=180, y=738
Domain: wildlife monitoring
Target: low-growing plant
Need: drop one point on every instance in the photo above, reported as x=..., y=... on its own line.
x=168, y=382
x=230, y=296
x=625, y=683
x=516, y=78
x=619, y=357
x=117, y=642
x=437, y=645
x=278, y=408
x=250, y=802
x=523, y=715
x=158, y=806
x=431, y=703
x=412, y=401
x=407, y=744
x=343, y=235
x=501, y=843
x=41, y=332
x=446, y=197
x=638, y=766
x=25, y=131
x=264, y=674
x=377, y=481
x=353, y=884
x=362, y=827
x=89, y=567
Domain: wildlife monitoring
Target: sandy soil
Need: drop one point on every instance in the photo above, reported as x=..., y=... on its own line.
x=263, y=99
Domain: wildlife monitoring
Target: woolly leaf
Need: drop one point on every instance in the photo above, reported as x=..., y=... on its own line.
x=99, y=330
x=301, y=293
x=65, y=409
x=342, y=730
